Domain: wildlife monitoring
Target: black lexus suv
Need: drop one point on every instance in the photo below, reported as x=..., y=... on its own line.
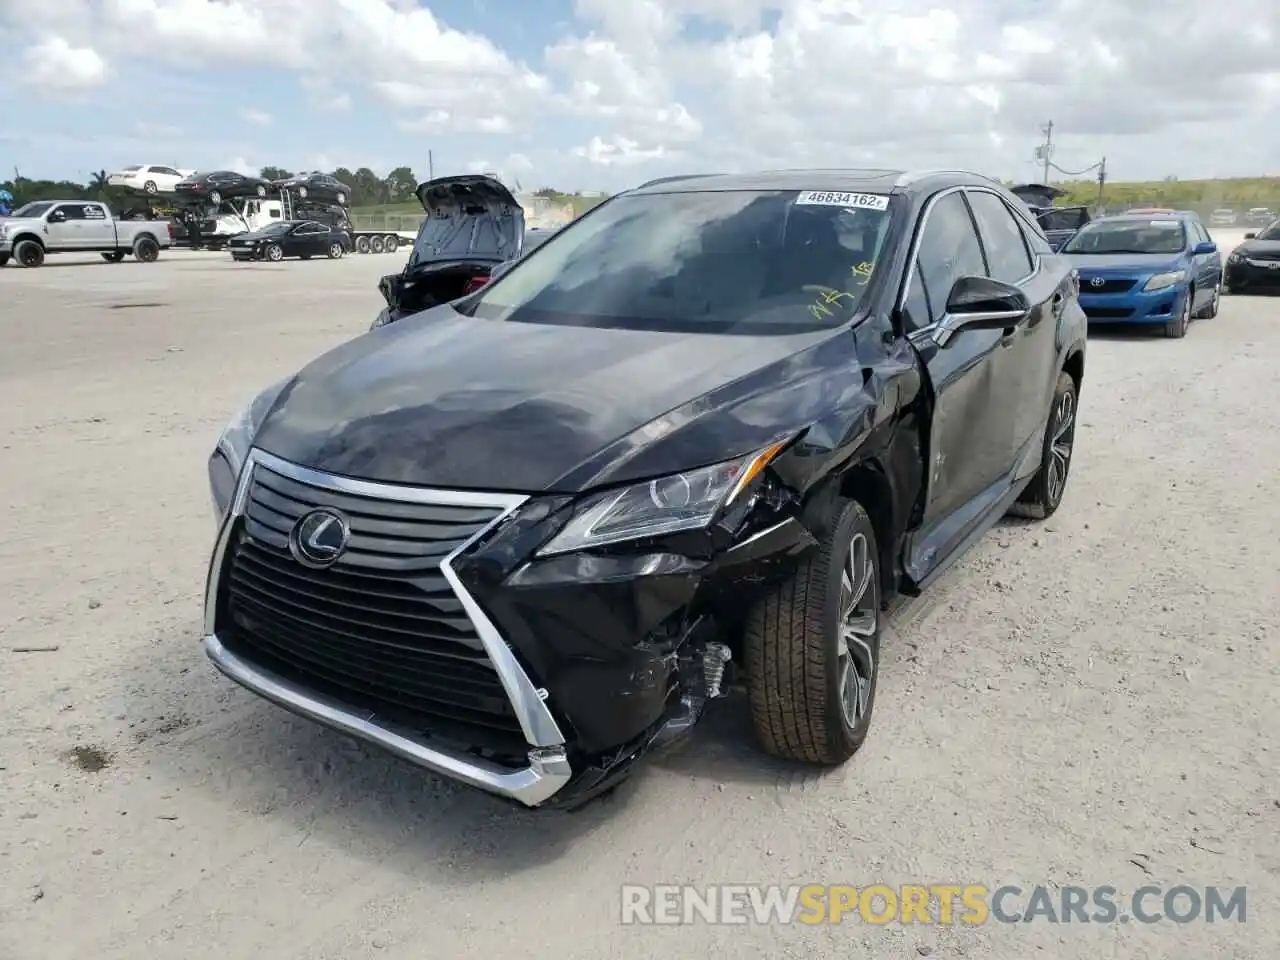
x=694, y=441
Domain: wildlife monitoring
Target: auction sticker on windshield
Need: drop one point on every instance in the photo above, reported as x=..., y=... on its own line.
x=865, y=201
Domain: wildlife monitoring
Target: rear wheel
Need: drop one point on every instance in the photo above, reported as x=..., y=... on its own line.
x=362, y=244
x=390, y=242
x=335, y=251
x=261, y=191
x=4, y=259
x=813, y=649
x=376, y=245
x=150, y=187
x=1176, y=328
x=1041, y=497
x=146, y=250
x=215, y=197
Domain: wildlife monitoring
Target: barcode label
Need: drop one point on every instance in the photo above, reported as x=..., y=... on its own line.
x=865, y=201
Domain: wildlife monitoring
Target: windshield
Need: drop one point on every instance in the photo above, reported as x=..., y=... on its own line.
x=275, y=229
x=717, y=262
x=36, y=208
x=1129, y=236
x=1272, y=232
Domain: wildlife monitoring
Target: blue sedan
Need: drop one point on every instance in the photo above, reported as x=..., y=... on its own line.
x=1153, y=269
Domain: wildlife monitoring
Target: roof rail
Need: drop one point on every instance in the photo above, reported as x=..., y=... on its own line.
x=912, y=176
x=682, y=176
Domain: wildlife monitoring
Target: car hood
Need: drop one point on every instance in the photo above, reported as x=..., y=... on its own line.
x=1154, y=262
x=1258, y=248
x=440, y=399
x=467, y=217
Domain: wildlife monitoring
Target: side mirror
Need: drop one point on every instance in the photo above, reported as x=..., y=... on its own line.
x=1251, y=236
x=57, y=217
x=980, y=303
x=1206, y=247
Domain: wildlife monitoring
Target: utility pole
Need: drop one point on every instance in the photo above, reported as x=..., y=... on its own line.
x=1102, y=180
x=1047, y=149
x=431, y=166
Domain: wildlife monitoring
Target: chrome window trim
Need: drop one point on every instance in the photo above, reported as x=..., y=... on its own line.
x=914, y=252
x=548, y=769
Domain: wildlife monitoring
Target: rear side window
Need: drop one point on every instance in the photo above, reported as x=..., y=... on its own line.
x=1007, y=256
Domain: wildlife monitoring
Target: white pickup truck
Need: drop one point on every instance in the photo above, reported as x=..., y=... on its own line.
x=77, y=226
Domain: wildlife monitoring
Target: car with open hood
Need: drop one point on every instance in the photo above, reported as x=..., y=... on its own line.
x=1255, y=264
x=1059, y=223
x=473, y=223
x=218, y=185
x=1158, y=270
x=696, y=441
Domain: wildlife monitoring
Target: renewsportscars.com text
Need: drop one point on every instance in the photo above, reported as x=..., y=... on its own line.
x=935, y=904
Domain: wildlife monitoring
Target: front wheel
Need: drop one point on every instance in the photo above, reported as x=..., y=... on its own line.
x=114, y=256
x=274, y=253
x=1041, y=497
x=29, y=253
x=813, y=649
x=215, y=197
x=150, y=187
x=1176, y=328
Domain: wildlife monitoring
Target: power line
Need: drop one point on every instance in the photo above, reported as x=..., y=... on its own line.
x=1074, y=173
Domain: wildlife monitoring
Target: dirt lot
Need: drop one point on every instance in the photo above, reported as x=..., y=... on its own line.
x=1092, y=701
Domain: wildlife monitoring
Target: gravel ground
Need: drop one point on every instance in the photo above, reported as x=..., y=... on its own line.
x=1090, y=701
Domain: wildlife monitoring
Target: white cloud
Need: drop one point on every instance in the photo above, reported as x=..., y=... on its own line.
x=241, y=165
x=259, y=118
x=637, y=89
x=56, y=68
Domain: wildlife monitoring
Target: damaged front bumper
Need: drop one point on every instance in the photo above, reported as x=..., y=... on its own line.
x=538, y=680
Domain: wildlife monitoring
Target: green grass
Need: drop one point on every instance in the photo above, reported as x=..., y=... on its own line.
x=1237, y=193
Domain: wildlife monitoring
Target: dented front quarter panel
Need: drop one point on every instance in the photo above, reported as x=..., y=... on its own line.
x=608, y=633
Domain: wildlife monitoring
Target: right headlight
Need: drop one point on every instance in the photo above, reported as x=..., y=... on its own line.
x=228, y=457
x=670, y=504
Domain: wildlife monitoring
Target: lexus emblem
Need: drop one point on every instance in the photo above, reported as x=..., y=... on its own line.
x=1097, y=282
x=319, y=538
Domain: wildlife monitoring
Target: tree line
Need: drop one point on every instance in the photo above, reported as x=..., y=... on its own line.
x=367, y=188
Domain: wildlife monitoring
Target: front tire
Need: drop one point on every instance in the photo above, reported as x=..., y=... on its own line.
x=1176, y=328
x=813, y=649
x=215, y=197
x=29, y=253
x=150, y=187
x=274, y=253
x=1215, y=302
x=1043, y=495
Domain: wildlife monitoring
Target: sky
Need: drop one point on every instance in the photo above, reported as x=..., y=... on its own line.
x=603, y=94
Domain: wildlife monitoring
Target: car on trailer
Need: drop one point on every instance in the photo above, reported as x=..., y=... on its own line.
x=218, y=185
x=697, y=440
x=315, y=187
x=151, y=179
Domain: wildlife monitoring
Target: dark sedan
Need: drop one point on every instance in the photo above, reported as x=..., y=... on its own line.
x=319, y=187
x=698, y=439
x=219, y=185
x=1255, y=264
x=291, y=238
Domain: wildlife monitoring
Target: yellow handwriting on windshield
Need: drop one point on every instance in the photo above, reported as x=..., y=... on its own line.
x=862, y=273
x=827, y=299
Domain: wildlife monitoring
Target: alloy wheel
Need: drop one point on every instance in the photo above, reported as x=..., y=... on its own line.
x=1064, y=430
x=859, y=617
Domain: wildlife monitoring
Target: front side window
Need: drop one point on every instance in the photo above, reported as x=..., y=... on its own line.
x=1271, y=233
x=1007, y=256
x=735, y=261
x=949, y=250
x=1131, y=235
